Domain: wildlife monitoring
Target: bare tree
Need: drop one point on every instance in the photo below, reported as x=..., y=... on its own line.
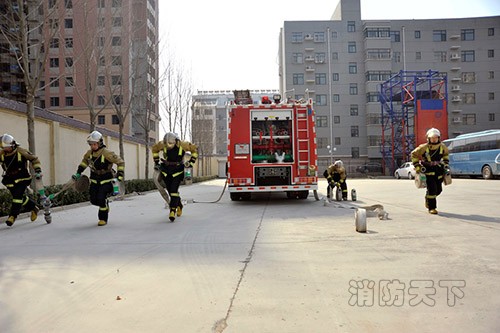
x=33, y=26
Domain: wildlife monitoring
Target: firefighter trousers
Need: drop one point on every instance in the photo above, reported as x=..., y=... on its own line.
x=99, y=194
x=173, y=182
x=434, y=188
x=19, y=198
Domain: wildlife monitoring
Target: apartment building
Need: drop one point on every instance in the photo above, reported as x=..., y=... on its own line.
x=102, y=60
x=342, y=62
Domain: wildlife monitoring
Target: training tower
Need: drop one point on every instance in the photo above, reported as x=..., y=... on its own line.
x=411, y=102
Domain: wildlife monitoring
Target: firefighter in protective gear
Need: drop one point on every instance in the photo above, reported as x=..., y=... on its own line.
x=336, y=176
x=432, y=159
x=17, y=178
x=100, y=161
x=172, y=167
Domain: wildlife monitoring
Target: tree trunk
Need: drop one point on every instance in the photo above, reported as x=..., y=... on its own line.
x=30, y=119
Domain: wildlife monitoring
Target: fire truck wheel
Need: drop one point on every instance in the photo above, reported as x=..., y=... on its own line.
x=360, y=217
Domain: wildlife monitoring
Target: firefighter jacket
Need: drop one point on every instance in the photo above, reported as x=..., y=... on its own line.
x=434, y=157
x=100, y=163
x=15, y=166
x=336, y=174
x=172, y=161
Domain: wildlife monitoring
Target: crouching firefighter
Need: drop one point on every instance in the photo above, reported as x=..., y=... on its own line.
x=100, y=162
x=172, y=167
x=336, y=176
x=17, y=178
x=432, y=159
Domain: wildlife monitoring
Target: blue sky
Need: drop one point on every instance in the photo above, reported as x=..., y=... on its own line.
x=227, y=44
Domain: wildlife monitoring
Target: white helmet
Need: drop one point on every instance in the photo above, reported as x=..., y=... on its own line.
x=339, y=163
x=170, y=139
x=95, y=137
x=433, y=132
x=8, y=141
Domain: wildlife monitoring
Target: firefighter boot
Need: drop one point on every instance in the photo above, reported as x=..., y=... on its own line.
x=433, y=211
x=101, y=223
x=171, y=216
x=34, y=213
x=426, y=203
x=10, y=221
x=179, y=209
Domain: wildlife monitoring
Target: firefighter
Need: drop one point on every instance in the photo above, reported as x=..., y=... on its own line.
x=17, y=178
x=336, y=176
x=432, y=159
x=100, y=161
x=172, y=167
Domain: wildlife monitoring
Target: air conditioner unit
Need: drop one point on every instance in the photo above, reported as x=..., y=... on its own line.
x=455, y=56
x=456, y=99
x=457, y=119
x=309, y=36
x=455, y=88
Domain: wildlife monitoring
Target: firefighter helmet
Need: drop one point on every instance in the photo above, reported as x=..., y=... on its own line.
x=8, y=141
x=170, y=139
x=95, y=137
x=339, y=163
x=433, y=132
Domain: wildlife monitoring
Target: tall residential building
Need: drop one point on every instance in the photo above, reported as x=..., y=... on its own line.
x=209, y=127
x=102, y=58
x=341, y=63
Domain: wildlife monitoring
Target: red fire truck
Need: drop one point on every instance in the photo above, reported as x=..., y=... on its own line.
x=271, y=147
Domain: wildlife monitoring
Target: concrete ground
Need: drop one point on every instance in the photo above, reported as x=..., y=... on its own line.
x=266, y=265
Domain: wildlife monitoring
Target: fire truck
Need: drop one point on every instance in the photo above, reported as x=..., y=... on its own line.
x=271, y=147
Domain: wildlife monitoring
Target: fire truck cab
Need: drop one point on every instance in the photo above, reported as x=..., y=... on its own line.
x=271, y=147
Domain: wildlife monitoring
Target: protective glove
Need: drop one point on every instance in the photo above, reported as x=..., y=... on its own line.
x=120, y=176
x=76, y=176
x=332, y=184
x=418, y=169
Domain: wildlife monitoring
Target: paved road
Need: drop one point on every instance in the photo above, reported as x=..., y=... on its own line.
x=268, y=265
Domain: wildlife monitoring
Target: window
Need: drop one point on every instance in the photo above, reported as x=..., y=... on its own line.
x=373, y=119
x=118, y=99
x=320, y=58
x=491, y=31
x=297, y=58
x=378, y=54
x=116, y=3
x=439, y=35
x=467, y=34
x=354, y=131
x=116, y=22
x=351, y=26
x=469, y=119
x=68, y=62
x=336, y=119
x=116, y=61
x=335, y=76
x=334, y=35
x=101, y=41
x=101, y=22
x=351, y=47
x=320, y=78
x=69, y=100
x=101, y=120
x=378, y=75
x=337, y=141
x=377, y=32
x=68, y=43
x=322, y=121
x=491, y=96
x=353, y=68
x=54, y=101
x=101, y=100
x=354, y=110
x=69, y=82
x=54, y=82
x=54, y=23
x=468, y=56
x=101, y=4
x=320, y=99
x=353, y=89
x=491, y=116
x=491, y=74
x=468, y=77
x=68, y=23
x=355, y=152
x=418, y=55
x=396, y=56
x=335, y=56
x=116, y=41
x=116, y=80
x=395, y=36
x=372, y=97
x=469, y=98
x=297, y=37
x=101, y=80
x=491, y=53
x=417, y=34
x=440, y=56
x=322, y=143
x=336, y=98
x=54, y=43
x=68, y=4
x=319, y=37
x=54, y=62
x=298, y=78
x=115, y=120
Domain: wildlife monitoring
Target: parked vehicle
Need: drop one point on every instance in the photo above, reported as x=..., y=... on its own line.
x=406, y=170
x=370, y=167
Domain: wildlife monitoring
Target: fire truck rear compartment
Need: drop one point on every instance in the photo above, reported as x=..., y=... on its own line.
x=273, y=175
